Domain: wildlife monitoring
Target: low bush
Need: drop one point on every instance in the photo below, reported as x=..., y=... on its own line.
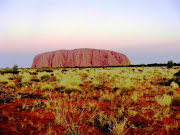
x=68, y=88
x=15, y=67
x=170, y=64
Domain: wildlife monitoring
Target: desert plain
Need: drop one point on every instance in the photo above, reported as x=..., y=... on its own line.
x=75, y=101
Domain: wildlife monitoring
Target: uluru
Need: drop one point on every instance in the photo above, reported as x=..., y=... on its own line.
x=80, y=58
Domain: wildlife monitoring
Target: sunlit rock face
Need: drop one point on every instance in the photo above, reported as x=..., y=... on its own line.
x=79, y=58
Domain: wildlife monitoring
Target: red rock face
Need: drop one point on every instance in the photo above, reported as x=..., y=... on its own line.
x=79, y=58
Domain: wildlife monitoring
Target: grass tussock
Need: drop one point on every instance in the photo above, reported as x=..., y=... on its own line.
x=11, y=85
x=47, y=87
x=174, y=85
x=165, y=100
x=70, y=83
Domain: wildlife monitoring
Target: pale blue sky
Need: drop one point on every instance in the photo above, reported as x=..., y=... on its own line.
x=147, y=31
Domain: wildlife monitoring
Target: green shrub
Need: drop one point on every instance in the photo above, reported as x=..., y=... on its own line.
x=170, y=64
x=15, y=67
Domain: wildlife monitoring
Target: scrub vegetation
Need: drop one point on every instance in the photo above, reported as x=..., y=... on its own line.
x=76, y=101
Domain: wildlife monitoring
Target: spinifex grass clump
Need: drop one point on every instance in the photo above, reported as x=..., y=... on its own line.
x=44, y=76
x=165, y=100
x=45, y=70
x=97, y=80
x=11, y=85
x=174, y=85
x=25, y=78
x=70, y=83
x=35, y=79
x=124, y=86
x=69, y=117
x=4, y=79
x=47, y=87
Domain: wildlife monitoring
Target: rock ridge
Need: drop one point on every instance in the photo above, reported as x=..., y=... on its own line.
x=80, y=58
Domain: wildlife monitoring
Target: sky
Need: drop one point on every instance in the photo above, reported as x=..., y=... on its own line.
x=146, y=31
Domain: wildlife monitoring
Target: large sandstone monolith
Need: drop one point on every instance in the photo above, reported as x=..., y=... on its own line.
x=80, y=58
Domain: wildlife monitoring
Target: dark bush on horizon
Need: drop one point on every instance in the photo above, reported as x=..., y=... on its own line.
x=15, y=67
x=170, y=64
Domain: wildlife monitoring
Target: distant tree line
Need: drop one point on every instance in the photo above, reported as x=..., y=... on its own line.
x=169, y=64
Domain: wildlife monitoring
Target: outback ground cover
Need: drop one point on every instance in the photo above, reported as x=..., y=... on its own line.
x=117, y=101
